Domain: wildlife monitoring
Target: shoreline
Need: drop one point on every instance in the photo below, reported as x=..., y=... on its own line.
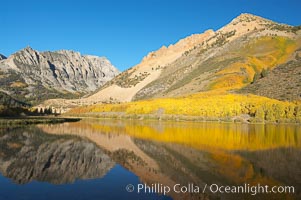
x=135, y=117
x=36, y=120
x=175, y=118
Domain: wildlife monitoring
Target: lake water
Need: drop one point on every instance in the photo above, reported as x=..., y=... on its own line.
x=112, y=159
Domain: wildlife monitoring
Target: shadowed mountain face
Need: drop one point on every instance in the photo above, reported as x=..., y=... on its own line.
x=10, y=106
x=282, y=83
x=29, y=154
x=2, y=57
x=8, y=101
x=54, y=74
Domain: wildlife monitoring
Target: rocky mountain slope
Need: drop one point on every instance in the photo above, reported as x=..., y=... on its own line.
x=11, y=107
x=227, y=60
x=8, y=101
x=34, y=76
x=125, y=86
x=282, y=83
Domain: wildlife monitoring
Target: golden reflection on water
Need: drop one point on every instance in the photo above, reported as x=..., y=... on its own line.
x=224, y=136
x=221, y=141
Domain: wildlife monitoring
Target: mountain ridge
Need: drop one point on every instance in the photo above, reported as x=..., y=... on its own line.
x=143, y=80
x=59, y=73
x=214, y=64
x=149, y=68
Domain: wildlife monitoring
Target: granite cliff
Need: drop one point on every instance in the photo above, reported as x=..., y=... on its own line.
x=33, y=76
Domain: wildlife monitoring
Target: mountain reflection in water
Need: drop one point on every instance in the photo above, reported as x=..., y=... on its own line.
x=157, y=152
x=30, y=155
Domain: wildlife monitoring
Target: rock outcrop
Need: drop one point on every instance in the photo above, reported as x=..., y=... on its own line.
x=42, y=75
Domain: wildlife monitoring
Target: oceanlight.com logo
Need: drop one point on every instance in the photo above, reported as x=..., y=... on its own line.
x=253, y=190
x=212, y=188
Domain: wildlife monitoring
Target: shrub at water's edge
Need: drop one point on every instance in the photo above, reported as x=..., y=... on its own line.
x=206, y=106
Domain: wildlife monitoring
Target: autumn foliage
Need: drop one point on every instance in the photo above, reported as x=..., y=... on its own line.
x=208, y=105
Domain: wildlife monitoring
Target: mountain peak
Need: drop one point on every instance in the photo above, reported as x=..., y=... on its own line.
x=28, y=49
x=27, y=52
x=247, y=23
x=247, y=18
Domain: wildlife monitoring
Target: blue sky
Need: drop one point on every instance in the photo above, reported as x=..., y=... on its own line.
x=123, y=31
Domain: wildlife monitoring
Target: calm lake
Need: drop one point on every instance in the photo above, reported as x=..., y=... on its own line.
x=113, y=159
